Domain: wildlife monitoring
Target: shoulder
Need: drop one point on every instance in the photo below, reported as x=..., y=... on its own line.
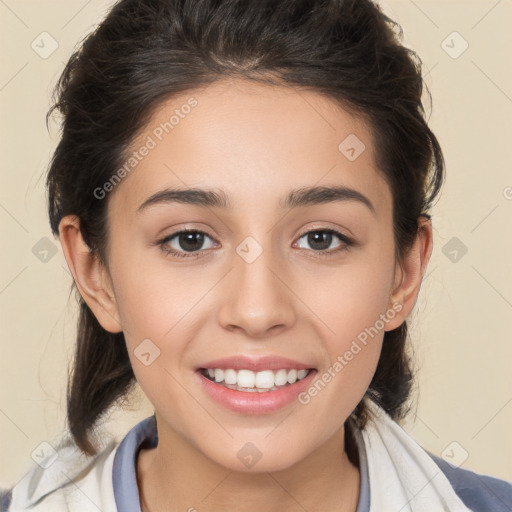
x=66, y=479
x=5, y=499
x=480, y=493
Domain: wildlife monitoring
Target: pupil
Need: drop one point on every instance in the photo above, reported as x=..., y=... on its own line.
x=191, y=241
x=323, y=239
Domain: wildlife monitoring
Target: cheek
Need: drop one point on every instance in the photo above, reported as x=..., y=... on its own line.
x=161, y=310
x=155, y=300
x=353, y=351
x=152, y=298
x=155, y=312
x=354, y=306
x=163, y=304
x=350, y=297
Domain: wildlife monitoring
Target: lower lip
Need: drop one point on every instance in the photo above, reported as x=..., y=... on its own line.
x=255, y=402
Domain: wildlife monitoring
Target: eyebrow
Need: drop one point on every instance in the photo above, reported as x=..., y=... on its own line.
x=305, y=196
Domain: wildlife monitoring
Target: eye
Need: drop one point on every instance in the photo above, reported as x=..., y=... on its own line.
x=183, y=242
x=321, y=239
x=188, y=243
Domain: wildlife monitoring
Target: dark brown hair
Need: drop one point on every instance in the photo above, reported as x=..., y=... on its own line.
x=146, y=51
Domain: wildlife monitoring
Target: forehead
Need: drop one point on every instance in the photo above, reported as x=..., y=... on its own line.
x=252, y=140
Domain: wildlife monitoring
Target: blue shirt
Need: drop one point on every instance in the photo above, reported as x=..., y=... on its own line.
x=480, y=493
x=144, y=434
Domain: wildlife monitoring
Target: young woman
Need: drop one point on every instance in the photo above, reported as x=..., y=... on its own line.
x=242, y=191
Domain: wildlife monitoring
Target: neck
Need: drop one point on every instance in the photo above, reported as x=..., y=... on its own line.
x=174, y=476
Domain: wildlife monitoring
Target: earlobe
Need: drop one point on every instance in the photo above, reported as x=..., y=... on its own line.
x=409, y=273
x=91, y=276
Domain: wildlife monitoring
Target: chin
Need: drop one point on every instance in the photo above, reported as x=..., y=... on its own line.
x=255, y=457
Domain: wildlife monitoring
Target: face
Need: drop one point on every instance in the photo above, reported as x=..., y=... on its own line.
x=269, y=284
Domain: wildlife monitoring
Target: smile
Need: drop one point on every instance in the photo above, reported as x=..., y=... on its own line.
x=254, y=386
x=249, y=381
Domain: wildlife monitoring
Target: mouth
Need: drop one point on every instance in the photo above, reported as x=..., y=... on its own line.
x=254, y=386
x=249, y=381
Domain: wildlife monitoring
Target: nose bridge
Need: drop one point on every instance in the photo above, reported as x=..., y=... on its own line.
x=257, y=299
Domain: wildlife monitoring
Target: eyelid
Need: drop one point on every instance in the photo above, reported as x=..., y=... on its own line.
x=323, y=227
x=336, y=230
x=162, y=242
x=346, y=241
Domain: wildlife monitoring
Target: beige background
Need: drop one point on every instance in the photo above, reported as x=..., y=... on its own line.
x=462, y=342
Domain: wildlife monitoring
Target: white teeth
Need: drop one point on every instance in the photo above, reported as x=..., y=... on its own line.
x=256, y=381
x=281, y=377
x=230, y=377
x=292, y=376
x=246, y=378
x=265, y=379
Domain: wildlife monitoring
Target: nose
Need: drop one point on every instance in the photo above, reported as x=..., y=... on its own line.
x=256, y=298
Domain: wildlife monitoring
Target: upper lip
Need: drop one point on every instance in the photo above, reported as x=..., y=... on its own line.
x=255, y=364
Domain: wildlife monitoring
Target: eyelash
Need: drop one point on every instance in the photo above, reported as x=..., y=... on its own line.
x=346, y=241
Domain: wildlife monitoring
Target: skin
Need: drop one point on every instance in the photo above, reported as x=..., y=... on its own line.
x=294, y=300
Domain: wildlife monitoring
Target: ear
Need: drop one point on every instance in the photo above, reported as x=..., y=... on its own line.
x=409, y=274
x=91, y=276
